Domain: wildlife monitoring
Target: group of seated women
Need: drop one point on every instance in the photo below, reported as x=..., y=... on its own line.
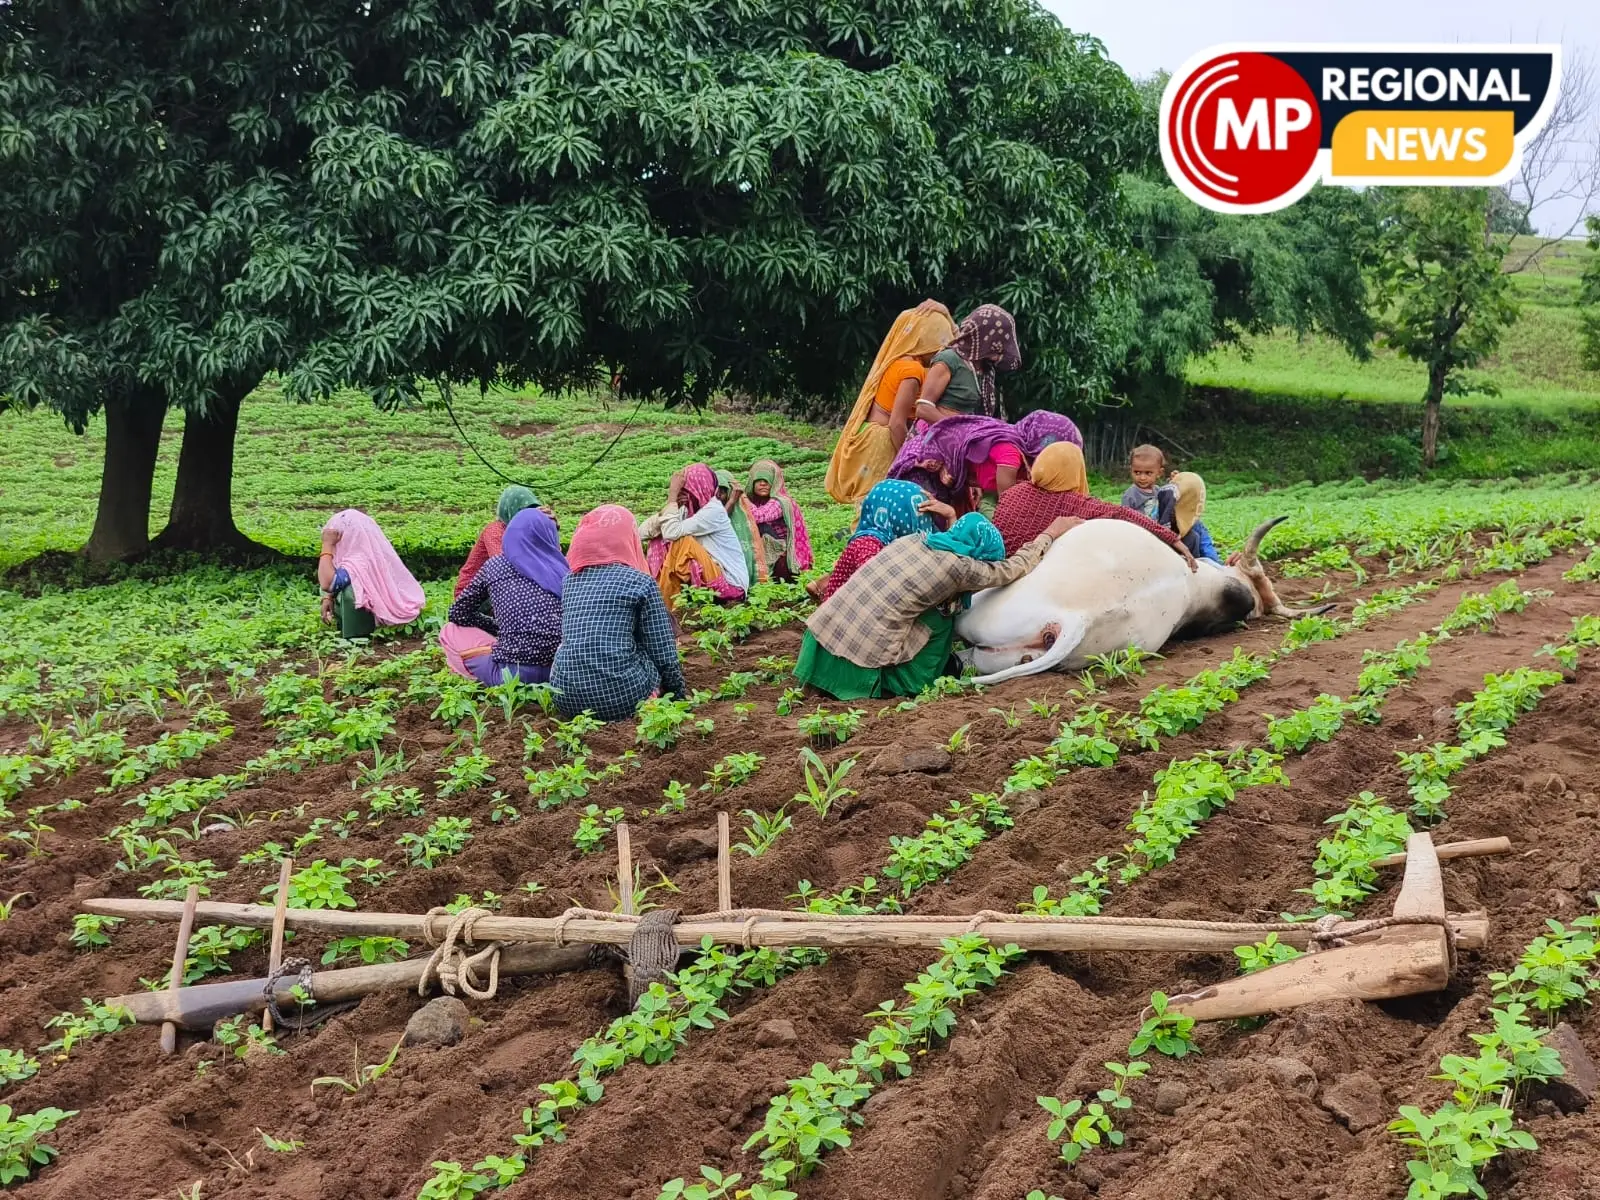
x=951, y=499
x=594, y=621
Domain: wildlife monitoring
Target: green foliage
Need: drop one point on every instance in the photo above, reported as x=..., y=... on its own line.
x=465, y=772
x=91, y=931
x=1366, y=830
x=16, y=1065
x=96, y=1020
x=375, y=949
x=1318, y=722
x=20, y=1148
x=815, y=1114
x=824, y=784
x=1439, y=296
x=319, y=885
x=212, y=946
x=1554, y=970
x=763, y=831
x=593, y=826
x=1263, y=954
x=1168, y=1032
x=445, y=837
x=731, y=771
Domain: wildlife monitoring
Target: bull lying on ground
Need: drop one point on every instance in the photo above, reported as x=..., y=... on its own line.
x=1107, y=586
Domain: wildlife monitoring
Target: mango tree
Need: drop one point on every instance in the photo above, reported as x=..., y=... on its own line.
x=689, y=194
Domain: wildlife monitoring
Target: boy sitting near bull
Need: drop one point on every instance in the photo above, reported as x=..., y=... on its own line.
x=1177, y=504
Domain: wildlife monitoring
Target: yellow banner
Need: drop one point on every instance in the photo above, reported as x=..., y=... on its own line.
x=1442, y=145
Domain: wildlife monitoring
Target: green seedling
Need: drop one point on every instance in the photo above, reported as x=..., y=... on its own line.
x=824, y=785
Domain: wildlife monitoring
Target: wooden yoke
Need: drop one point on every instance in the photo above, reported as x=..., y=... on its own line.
x=1397, y=960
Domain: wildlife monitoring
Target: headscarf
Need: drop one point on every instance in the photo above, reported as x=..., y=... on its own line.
x=513, y=500
x=381, y=583
x=957, y=443
x=1060, y=469
x=743, y=520
x=1041, y=428
x=1191, y=500
x=890, y=511
x=987, y=341
x=607, y=534
x=973, y=536
x=779, y=505
x=700, y=482
x=532, y=546
x=915, y=333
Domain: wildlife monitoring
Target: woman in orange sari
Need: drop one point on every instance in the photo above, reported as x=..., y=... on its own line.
x=886, y=407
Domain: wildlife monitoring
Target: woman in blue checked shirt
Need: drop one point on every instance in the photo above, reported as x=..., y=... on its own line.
x=617, y=645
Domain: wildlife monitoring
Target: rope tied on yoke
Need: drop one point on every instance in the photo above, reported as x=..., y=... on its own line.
x=451, y=965
x=1333, y=931
x=299, y=967
x=652, y=951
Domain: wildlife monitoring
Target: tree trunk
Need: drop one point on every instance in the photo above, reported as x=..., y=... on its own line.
x=201, y=518
x=1431, y=416
x=133, y=438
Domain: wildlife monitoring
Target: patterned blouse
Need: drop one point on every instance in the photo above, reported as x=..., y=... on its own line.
x=872, y=620
x=485, y=548
x=617, y=644
x=857, y=552
x=1025, y=510
x=528, y=616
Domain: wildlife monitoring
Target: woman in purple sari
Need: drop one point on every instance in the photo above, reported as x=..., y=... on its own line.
x=967, y=461
x=1041, y=428
x=523, y=585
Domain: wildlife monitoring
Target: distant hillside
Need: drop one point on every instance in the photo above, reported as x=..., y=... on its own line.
x=1538, y=365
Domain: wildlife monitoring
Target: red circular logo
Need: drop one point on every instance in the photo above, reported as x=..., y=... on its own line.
x=1243, y=128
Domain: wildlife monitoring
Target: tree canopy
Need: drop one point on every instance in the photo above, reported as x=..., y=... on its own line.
x=1209, y=280
x=1439, y=293
x=693, y=194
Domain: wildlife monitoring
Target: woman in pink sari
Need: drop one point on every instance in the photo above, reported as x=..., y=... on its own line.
x=781, y=523
x=692, y=543
x=364, y=584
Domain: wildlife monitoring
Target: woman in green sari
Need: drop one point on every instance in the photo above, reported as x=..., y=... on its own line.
x=742, y=518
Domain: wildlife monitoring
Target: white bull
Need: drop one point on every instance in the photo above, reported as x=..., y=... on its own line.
x=1109, y=585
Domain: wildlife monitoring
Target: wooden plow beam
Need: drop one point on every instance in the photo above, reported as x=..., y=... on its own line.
x=1401, y=959
x=1403, y=955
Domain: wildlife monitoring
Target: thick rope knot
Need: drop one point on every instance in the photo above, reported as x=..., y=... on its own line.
x=451, y=965
x=652, y=951
x=300, y=967
x=1328, y=933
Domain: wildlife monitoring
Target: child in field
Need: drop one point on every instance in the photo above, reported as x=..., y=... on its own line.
x=1176, y=504
x=1146, y=465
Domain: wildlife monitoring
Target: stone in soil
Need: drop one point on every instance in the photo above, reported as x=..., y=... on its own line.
x=897, y=759
x=1357, y=1101
x=1292, y=1075
x=777, y=1032
x=440, y=1022
x=1572, y=1091
x=695, y=844
x=1170, y=1097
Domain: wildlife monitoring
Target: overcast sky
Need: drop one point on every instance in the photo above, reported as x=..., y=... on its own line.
x=1150, y=35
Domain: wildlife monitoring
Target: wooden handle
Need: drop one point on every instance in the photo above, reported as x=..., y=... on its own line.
x=202, y=1005
x=180, y=956
x=884, y=932
x=724, y=866
x=280, y=913
x=625, y=867
x=1476, y=848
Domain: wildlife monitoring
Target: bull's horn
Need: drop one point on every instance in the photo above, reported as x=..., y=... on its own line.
x=1315, y=610
x=1253, y=543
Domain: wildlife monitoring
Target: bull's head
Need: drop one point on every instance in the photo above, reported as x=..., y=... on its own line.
x=1247, y=564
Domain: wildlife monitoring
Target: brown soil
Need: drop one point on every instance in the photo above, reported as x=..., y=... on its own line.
x=965, y=1124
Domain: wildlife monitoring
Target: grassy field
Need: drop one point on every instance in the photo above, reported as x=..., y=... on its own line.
x=1538, y=365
